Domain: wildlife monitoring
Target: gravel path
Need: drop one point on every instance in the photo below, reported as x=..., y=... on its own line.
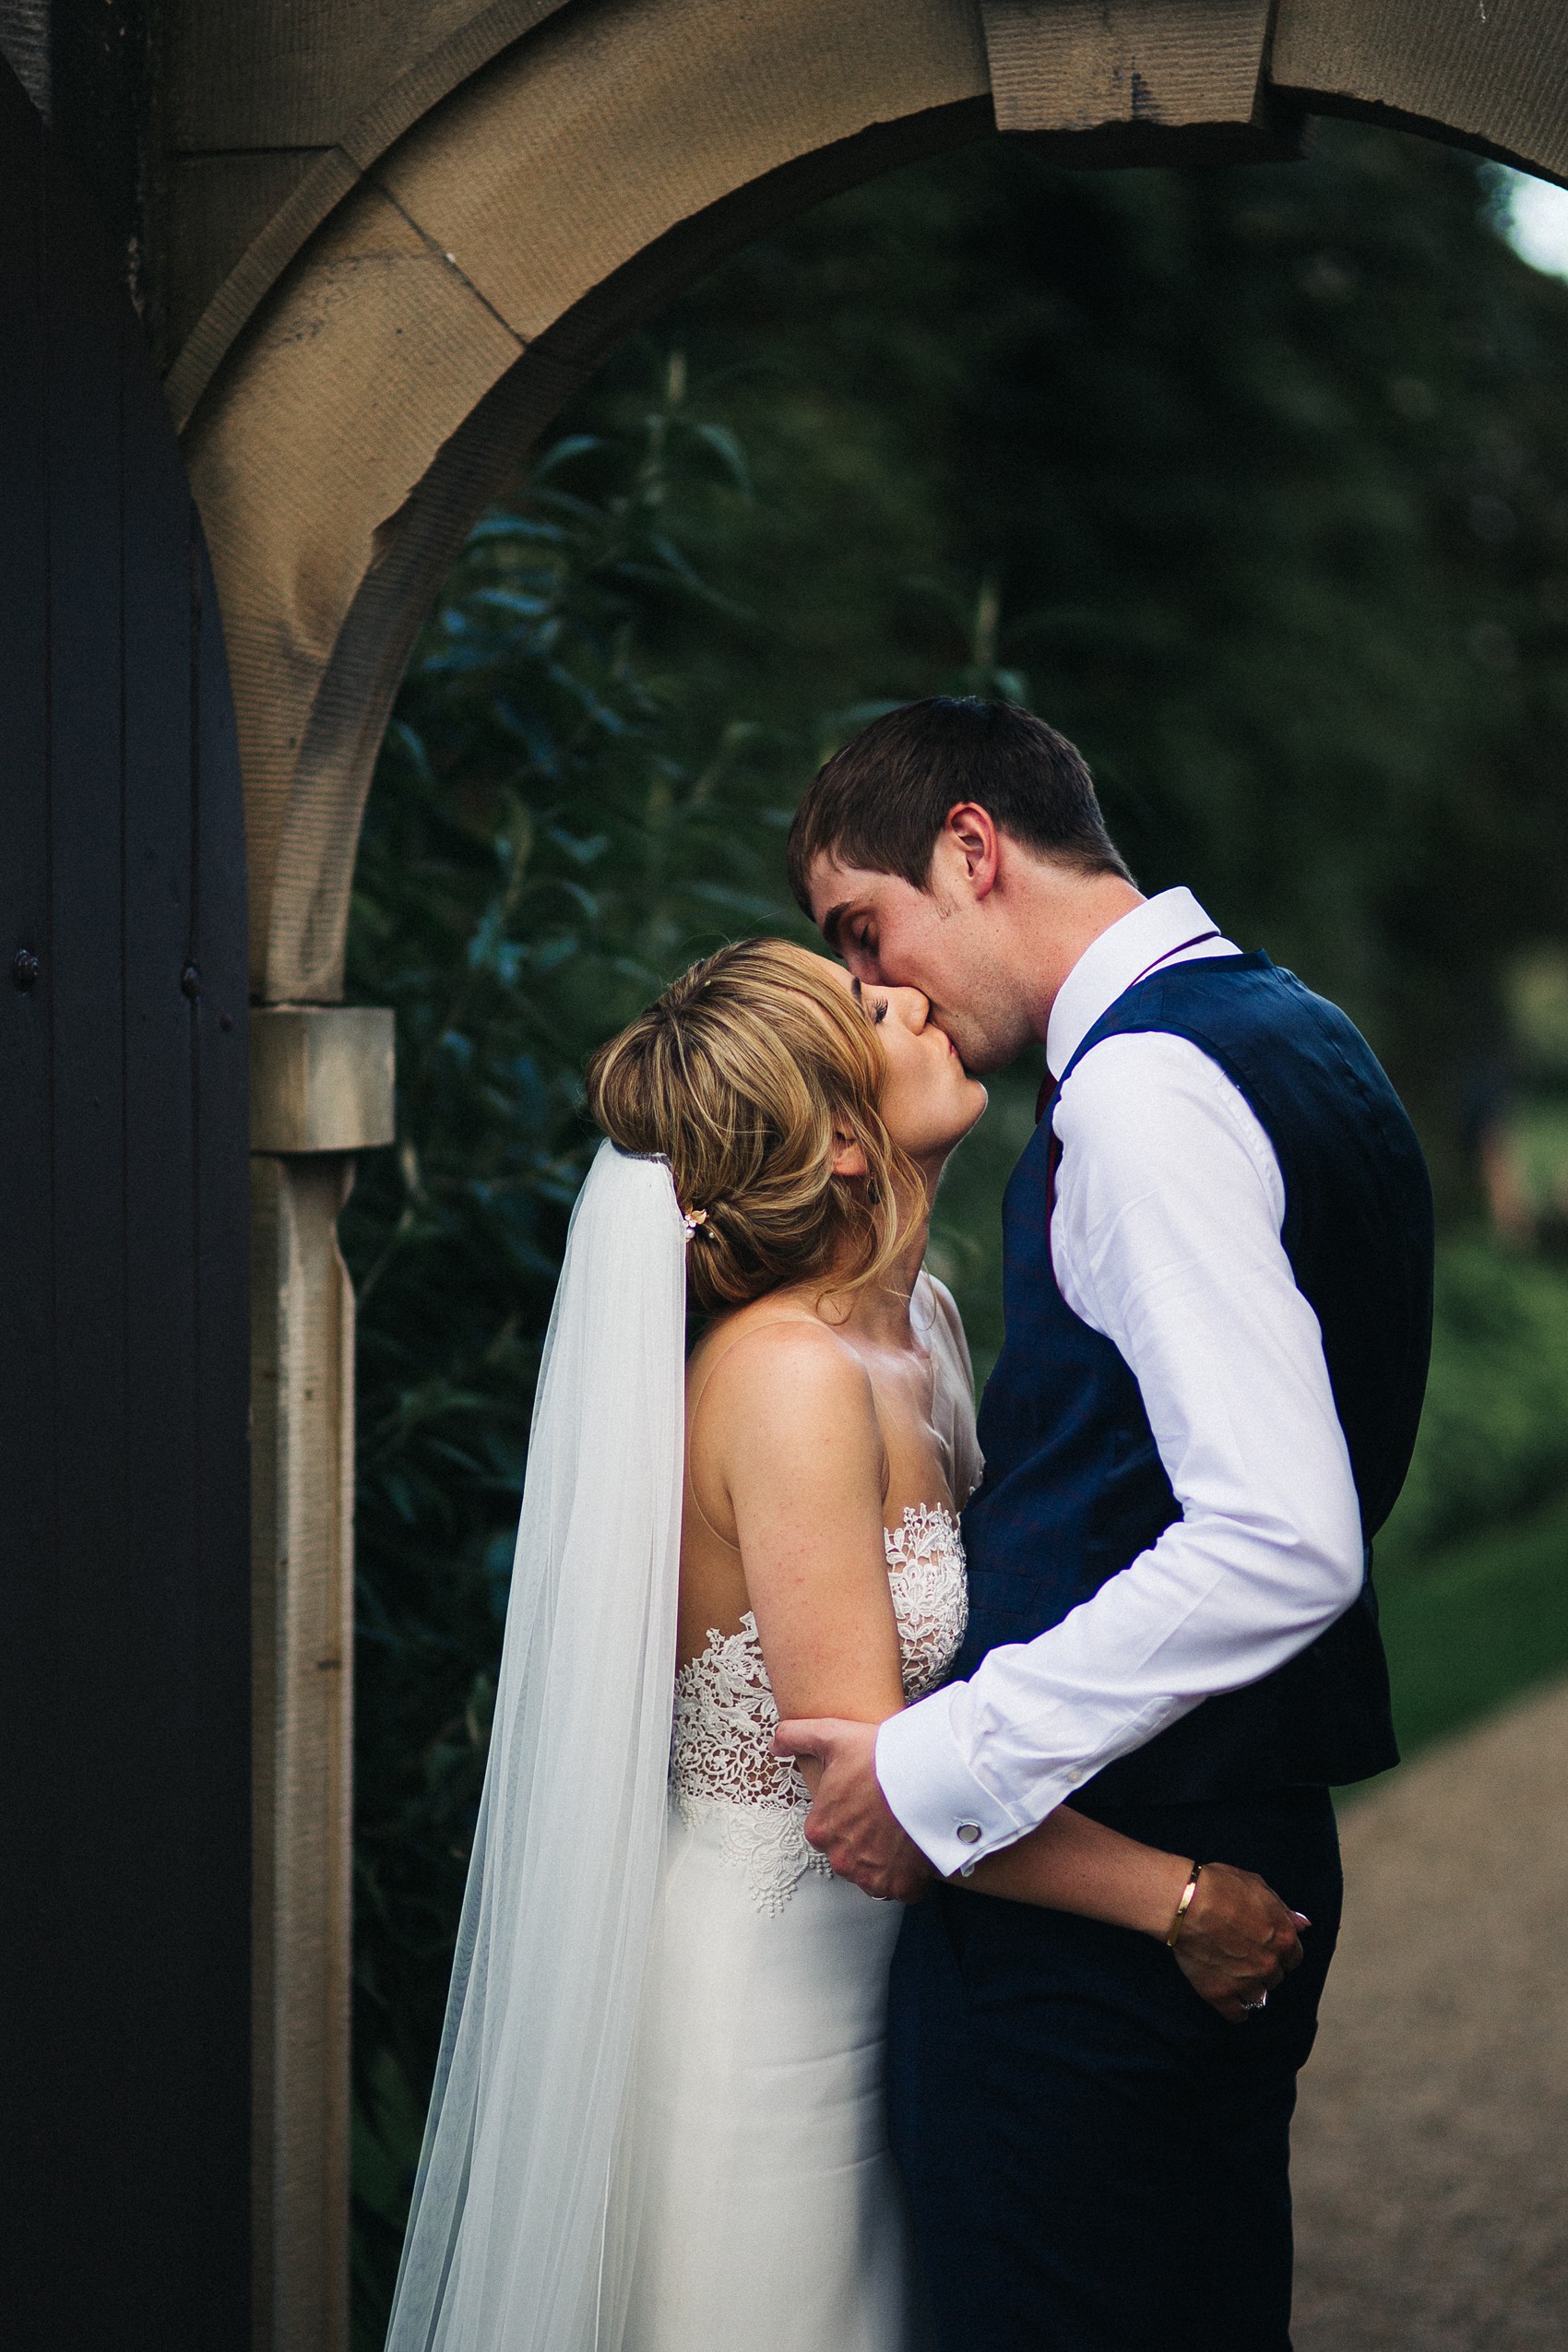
x=1432, y=2145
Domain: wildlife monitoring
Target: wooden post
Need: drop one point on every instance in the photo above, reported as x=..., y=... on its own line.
x=321, y=1090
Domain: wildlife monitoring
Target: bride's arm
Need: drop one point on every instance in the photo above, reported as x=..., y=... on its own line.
x=1236, y=1937
x=787, y=1449
x=1070, y=1864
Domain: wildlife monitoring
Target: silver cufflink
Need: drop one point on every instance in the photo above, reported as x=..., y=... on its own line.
x=967, y=1833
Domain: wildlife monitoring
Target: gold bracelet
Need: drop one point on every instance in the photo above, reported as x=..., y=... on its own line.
x=1182, y=1909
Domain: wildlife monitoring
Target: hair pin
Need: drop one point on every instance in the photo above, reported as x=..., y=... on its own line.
x=691, y=1218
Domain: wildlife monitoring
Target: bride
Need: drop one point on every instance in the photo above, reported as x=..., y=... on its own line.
x=657, y=2124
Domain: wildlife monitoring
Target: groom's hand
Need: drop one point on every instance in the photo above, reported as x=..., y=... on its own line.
x=1238, y=1940
x=850, y=1820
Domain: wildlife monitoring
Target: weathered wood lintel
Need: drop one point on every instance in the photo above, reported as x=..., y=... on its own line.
x=321, y=1078
x=1123, y=82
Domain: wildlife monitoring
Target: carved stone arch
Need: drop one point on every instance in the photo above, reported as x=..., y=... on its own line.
x=542, y=177
x=445, y=311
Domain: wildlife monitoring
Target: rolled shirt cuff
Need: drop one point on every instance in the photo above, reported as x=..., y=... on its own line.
x=953, y=1817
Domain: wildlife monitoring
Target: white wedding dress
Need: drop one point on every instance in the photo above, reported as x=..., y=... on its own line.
x=772, y=2219
x=657, y=2120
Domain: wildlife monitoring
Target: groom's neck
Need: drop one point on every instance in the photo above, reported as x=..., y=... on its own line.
x=1058, y=912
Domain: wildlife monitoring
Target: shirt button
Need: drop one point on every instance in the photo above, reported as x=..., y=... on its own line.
x=967, y=1833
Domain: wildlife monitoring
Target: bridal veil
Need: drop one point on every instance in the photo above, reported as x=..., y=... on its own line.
x=517, y=2238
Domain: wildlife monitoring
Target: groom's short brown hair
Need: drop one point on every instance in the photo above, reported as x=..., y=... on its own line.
x=881, y=802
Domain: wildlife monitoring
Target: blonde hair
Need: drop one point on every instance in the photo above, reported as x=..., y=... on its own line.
x=743, y=1074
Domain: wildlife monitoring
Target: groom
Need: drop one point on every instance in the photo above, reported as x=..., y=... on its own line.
x=1218, y=1280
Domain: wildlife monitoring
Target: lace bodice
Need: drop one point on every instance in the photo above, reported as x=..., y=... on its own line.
x=722, y=1760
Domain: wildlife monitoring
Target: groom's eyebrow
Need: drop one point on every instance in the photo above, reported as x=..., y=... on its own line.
x=830, y=922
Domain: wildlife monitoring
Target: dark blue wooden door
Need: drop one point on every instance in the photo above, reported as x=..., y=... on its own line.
x=124, y=1683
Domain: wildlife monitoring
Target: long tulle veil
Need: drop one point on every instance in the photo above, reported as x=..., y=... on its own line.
x=517, y=2238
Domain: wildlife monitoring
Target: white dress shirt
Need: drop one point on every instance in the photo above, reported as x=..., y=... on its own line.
x=1165, y=1239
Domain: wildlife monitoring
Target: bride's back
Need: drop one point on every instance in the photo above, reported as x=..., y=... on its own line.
x=906, y=1388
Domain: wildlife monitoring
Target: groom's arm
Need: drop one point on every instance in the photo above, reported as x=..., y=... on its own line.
x=1166, y=1238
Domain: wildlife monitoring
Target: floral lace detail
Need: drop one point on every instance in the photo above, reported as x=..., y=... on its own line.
x=931, y=1597
x=722, y=1761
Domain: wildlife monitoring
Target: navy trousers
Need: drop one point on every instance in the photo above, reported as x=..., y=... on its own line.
x=1097, y=2161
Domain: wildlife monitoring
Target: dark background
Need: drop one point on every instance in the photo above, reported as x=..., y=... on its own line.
x=1253, y=481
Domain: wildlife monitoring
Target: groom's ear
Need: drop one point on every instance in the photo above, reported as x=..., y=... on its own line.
x=969, y=847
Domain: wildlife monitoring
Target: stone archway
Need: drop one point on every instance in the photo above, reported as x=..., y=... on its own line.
x=397, y=241
x=463, y=254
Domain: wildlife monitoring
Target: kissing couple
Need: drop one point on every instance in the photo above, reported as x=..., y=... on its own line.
x=906, y=1875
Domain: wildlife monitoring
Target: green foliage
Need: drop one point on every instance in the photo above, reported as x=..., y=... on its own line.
x=1476, y=1626
x=541, y=849
x=1493, y=1440
x=1255, y=481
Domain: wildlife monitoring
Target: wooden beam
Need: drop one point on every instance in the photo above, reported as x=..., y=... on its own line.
x=321, y=1078
x=303, y=1397
x=1086, y=64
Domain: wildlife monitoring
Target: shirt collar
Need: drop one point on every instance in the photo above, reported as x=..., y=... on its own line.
x=1110, y=965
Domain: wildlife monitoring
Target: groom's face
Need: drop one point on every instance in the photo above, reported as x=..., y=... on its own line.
x=937, y=940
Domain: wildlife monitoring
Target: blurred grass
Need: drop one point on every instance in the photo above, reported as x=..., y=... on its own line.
x=1476, y=1625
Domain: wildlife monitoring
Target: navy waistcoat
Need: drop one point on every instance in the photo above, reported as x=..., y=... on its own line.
x=1075, y=1489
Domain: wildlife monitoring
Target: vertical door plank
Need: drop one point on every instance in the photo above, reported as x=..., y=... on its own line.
x=219, y=1624
x=30, y=1715
x=104, y=1890
x=125, y=1676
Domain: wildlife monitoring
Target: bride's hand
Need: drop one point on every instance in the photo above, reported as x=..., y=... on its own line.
x=1238, y=1940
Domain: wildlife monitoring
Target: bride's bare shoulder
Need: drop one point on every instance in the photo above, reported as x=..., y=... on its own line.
x=784, y=1415
x=779, y=1354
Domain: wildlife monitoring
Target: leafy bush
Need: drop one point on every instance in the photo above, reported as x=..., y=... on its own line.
x=1493, y=1440
x=542, y=846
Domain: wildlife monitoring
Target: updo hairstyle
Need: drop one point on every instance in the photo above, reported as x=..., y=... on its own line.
x=740, y=1075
